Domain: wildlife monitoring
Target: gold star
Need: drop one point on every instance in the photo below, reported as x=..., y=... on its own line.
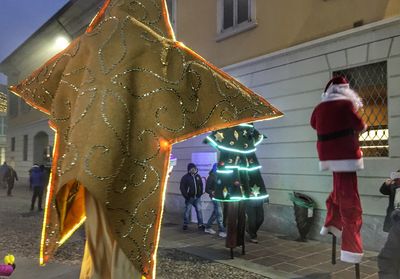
x=118, y=97
x=219, y=136
x=255, y=190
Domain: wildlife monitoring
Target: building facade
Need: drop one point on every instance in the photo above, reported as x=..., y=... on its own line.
x=29, y=137
x=287, y=51
x=284, y=50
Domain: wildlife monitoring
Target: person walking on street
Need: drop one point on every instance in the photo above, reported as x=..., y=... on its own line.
x=3, y=171
x=191, y=187
x=217, y=210
x=36, y=180
x=10, y=178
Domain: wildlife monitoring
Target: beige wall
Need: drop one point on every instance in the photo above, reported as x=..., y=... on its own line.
x=281, y=24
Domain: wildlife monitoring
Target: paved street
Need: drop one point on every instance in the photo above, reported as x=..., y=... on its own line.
x=182, y=254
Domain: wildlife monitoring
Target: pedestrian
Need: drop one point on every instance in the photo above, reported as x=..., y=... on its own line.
x=36, y=180
x=46, y=174
x=3, y=170
x=389, y=257
x=191, y=187
x=389, y=188
x=217, y=209
x=338, y=126
x=10, y=177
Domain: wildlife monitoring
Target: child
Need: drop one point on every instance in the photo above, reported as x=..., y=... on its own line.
x=389, y=187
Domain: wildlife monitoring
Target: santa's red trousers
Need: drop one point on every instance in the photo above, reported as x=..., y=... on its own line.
x=344, y=215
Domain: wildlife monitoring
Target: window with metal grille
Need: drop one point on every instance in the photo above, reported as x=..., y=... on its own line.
x=370, y=82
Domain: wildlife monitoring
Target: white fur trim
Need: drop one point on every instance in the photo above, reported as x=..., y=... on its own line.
x=350, y=257
x=342, y=165
x=342, y=92
x=331, y=229
x=395, y=175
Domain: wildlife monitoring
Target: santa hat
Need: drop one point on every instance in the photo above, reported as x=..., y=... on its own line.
x=338, y=88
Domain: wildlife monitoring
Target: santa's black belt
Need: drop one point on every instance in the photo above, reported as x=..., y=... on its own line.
x=337, y=134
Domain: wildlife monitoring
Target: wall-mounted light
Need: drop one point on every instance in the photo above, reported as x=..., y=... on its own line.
x=61, y=43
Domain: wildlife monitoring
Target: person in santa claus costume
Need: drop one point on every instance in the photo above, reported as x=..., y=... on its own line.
x=338, y=127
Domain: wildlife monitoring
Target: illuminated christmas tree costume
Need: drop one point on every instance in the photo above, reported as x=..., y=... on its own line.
x=238, y=168
x=238, y=176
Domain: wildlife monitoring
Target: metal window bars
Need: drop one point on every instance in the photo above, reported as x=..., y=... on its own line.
x=370, y=82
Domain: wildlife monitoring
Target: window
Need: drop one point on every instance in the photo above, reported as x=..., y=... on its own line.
x=370, y=82
x=25, y=149
x=235, y=16
x=13, y=144
x=171, y=4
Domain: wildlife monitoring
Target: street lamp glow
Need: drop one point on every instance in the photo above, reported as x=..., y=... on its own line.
x=61, y=43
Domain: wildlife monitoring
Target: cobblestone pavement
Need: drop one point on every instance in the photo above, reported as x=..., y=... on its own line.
x=182, y=254
x=20, y=235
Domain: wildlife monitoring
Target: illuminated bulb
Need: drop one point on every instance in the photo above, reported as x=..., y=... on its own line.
x=164, y=144
x=61, y=43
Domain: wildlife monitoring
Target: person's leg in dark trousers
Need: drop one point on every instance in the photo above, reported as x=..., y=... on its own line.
x=34, y=196
x=40, y=197
x=10, y=187
x=260, y=215
x=251, y=220
x=255, y=217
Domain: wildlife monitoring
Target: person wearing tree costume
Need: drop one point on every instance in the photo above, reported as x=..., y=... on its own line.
x=239, y=179
x=118, y=97
x=338, y=126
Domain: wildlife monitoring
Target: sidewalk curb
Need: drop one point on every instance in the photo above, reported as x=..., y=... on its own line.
x=216, y=255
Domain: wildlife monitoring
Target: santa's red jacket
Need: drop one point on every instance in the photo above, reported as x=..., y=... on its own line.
x=338, y=126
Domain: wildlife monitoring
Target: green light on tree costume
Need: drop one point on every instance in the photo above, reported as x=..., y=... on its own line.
x=238, y=176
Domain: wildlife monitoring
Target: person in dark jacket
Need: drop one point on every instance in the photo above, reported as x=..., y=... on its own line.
x=389, y=188
x=36, y=179
x=9, y=178
x=3, y=171
x=217, y=210
x=389, y=257
x=192, y=188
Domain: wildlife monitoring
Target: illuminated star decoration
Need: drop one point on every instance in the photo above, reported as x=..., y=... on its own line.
x=118, y=98
x=219, y=136
x=255, y=190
